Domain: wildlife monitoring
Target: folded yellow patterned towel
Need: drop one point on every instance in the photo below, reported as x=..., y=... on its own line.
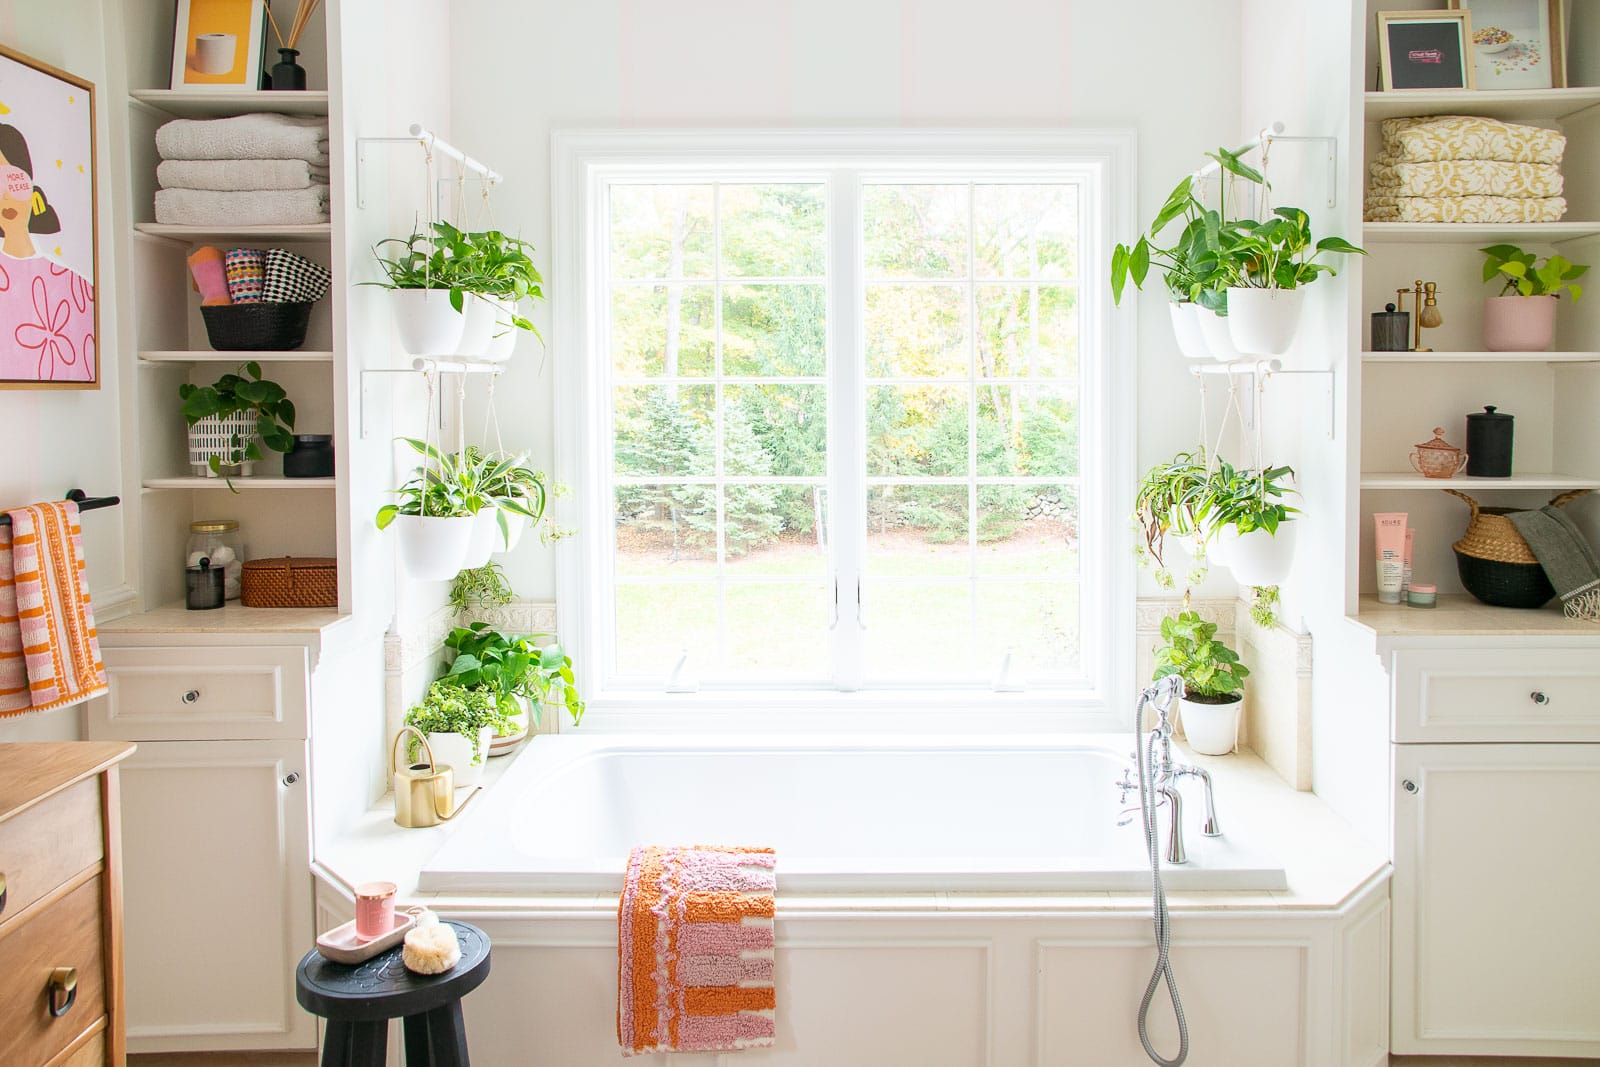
x=1465, y=209
x=1465, y=177
x=1442, y=137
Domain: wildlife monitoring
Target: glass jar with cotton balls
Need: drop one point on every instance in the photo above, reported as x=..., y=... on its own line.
x=222, y=542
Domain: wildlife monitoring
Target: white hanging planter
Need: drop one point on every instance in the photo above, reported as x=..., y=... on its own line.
x=1186, y=327
x=1211, y=729
x=427, y=324
x=457, y=753
x=516, y=526
x=213, y=436
x=477, y=332
x=486, y=538
x=504, y=337
x=433, y=549
x=1214, y=328
x=1257, y=557
x=1263, y=322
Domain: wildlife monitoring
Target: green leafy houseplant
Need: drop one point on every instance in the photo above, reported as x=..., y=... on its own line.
x=1171, y=500
x=244, y=393
x=1525, y=275
x=451, y=485
x=513, y=487
x=452, y=709
x=1211, y=671
x=495, y=265
x=428, y=261
x=1279, y=252
x=1247, y=500
x=478, y=587
x=507, y=667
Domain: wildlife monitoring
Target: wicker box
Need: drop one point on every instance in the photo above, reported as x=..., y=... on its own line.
x=290, y=582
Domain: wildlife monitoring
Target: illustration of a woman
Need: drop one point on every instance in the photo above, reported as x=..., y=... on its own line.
x=46, y=309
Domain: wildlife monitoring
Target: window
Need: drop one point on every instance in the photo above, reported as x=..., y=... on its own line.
x=841, y=417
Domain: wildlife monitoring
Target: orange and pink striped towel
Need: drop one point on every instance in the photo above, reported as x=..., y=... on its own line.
x=695, y=950
x=49, y=651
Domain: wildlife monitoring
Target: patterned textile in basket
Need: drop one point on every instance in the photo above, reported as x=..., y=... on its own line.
x=1494, y=561
x=290, y=582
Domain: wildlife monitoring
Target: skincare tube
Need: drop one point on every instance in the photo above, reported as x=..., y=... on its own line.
x=1405, y=577
x=1389, y=545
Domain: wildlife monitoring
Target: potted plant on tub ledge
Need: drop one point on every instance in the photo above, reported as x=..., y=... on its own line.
x=1523, y=317
x=1213, y=681
x=522, y=676
x=459, y=724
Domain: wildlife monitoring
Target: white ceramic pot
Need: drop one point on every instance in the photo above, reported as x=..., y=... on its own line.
x=1211, y=729
x=457, y=752
x=516, y=526
x=486, y=537
x=1219, y=342
x=477, y=333
x=1186, y=327
x=433, y=550
x=1519, y=323
x=1263, y=322
x=1258, y=557
x=503, y=340
x=427, y=324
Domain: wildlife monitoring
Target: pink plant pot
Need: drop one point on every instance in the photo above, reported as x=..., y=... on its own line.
x=1519, y=323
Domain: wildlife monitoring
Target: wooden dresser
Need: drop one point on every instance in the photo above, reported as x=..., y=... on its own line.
x=61, y=990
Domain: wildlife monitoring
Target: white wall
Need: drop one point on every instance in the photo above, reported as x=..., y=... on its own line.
x=58, y=439
x=523, y=67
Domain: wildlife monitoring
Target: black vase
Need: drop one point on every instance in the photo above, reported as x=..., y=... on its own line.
x=286, y=73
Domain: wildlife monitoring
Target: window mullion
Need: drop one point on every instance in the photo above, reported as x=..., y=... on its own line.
x=847, y=467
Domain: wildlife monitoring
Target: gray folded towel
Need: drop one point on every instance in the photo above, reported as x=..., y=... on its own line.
x=254, y=136
x=265, y=207
x=1566, y=557
x=239, y=175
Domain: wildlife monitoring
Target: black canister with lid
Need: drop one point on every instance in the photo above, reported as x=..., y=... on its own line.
x=203, y=586
x=1489, y=443
x=312, y=456
x=1391, y=330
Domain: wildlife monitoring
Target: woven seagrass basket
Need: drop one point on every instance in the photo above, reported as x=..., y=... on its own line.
x=290, y=582
x=1495, y=563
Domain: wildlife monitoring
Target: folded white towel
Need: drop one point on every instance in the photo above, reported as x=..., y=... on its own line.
x=265, y=207
x=255, y=136
x=236, y=175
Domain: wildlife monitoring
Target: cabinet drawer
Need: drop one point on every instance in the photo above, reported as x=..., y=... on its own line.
x=46, y=845
x=1473, y=695
x=65, y=934
x=167, y=694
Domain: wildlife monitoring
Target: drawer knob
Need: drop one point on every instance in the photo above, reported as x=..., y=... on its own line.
x=1408, y=785
x=291, y=778
x=63, y=990
x=1538, y=697
x=191, y=696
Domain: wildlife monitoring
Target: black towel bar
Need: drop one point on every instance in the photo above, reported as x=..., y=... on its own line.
x=83, y=500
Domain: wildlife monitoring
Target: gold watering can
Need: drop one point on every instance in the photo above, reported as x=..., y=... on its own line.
x=424, y=793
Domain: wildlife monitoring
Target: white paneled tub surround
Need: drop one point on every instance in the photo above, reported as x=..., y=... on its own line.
x=846, y=815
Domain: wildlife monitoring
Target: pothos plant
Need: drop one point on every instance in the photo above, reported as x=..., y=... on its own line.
x=246, y=393
x=439, y=260
x=508, y=666
x=1211, y=671
x=496, y=265
x=1278, y=252
x=1524, y=274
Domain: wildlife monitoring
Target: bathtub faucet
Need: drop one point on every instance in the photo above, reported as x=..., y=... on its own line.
x=1164, y=773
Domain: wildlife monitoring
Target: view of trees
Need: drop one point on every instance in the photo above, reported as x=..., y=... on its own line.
x=970, y=350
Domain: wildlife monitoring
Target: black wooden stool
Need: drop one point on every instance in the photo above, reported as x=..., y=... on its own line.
x=359, y=1001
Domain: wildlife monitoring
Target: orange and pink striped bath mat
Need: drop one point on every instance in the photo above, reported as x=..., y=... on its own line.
x=695, y=950
x=49, y=649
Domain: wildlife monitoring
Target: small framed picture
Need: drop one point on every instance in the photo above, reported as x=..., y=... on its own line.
x=218, y=45
x=1517, y=44
x=1425, y=50
x=49, y=309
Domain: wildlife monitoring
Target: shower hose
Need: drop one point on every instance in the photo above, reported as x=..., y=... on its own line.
x=1147, y=811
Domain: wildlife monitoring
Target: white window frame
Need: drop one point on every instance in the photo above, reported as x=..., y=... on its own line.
x=585, y=161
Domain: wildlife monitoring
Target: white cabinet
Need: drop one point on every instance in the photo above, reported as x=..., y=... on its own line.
x=217, y=892
x=1496, y=949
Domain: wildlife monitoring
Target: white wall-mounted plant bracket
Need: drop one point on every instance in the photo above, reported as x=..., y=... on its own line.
x=424, y=139
x=1269, y=369
x=424, y=365
x=1274, y=134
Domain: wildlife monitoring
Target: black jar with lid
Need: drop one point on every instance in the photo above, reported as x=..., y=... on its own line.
x=312, y=456
x=1489, y=435
x=1391, y=330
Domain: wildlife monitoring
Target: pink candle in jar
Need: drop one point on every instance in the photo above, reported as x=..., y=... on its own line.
x=374, y=909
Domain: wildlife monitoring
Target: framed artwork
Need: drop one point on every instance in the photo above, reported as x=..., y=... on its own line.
x=218, y=45
x=1425, y=50
x=49, y=315
x=1518, y=44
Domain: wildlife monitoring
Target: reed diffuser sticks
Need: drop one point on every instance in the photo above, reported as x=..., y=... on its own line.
x=302, y=16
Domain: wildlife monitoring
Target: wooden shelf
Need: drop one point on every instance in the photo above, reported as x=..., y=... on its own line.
x=1547, y=104
x=1474, y=232
x=1480, y=357
x=212, y=356
x=306, y=232
x=182, y=103
x=1412, y=480
x=1460, y=615
x=258, y=483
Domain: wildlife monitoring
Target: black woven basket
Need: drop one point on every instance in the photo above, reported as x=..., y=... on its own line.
x=1505, y=585
x=257, y=327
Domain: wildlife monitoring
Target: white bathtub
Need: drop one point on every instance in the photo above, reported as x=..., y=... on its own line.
x=846, y=815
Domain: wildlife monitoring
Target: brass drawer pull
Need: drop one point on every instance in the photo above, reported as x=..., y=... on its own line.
x=63, y=990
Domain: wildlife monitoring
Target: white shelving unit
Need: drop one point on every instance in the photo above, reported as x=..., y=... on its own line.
x=253, y=484
x=1410, y=480
x=1476, y=233
x=1480, y=357
x=194, y=105
x=1541, y=105
x=185, y=355
x=202, y=234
